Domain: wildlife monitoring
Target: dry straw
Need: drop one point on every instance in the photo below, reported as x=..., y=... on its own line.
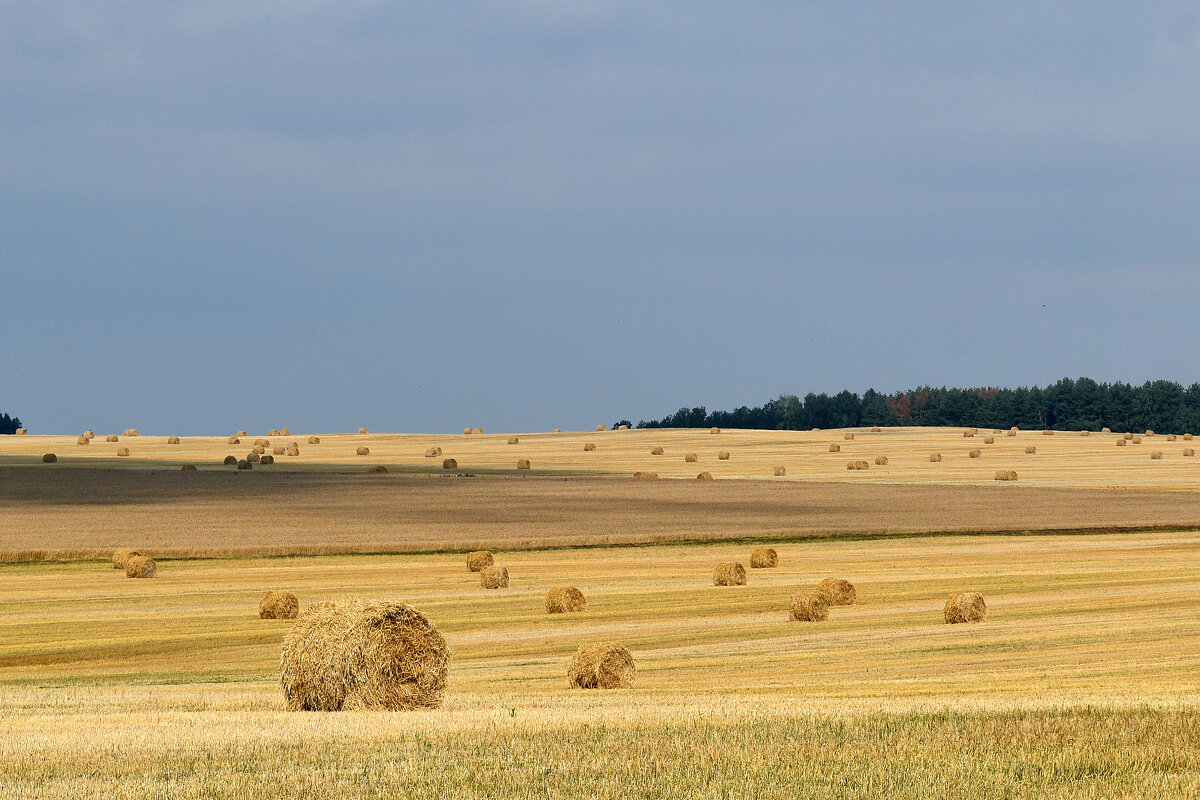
x=112, y=437
x=244, y=464
x=478, y=430
x=523, y=463
x=132, y=432
x=780, y=472
x=809, y=607
x=83, y=440
x=267, y=459
x=233, y=440
x=89, y=434
x=513, y=440
x=876, y=429
x=278, y=450
x=1012, y=431
x=258, y=449
x=723, y=455
x=602, y=666
x=1171, y=437
x=860, y=464
x=241, y=433
x=965, y=607
x=278, y=605
x=273, y=432
x=589, y=447
x=477, y=560
x=1006, y=474
x=935, y=457
x=172, y=440
x=230, y=461
x=49, y=458
x=881, y=461
x=1047, y=432
x=1136, y=440
x=314, y=440
x=449, y=463
x=848, y=436
x=353, y=654
x=140, y=566
x=975, y=453
x=466, y=431
x=622, y=427
x=262, y=442
x=294, y=450
x=969, y=433
x=363, y=430
x=21, y=432
x=121, y=557
x=378, y=470
x=494, y=577
x=123, y=452
x=188, y=468
x=656, y=451
x=1149, y=432
x=1187, y=437
x=1085, y=432
x=835, y=448
x=989, y=440
x=764, y=558
x=1156, y=455
x=565, y=600
x=1106, y=430
x=704, y=476
x=729, y=573
x=1030, y=449
x=1122, y=442
x=1187, y=451
x=363, y=451
x=690, y=458
x=714, y=430
x=601, y=427
x=837, y=592
x=1128, y=436
x=433, y=452
x=641, y=474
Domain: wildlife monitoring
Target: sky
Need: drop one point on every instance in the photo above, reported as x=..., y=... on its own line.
x=525, y=215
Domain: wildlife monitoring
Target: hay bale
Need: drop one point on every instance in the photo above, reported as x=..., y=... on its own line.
x=1030, y=449
x=969, y=433
x=780, y=472
x=1012, y=431
x=278, y=450
x=989, y=440
x=1156, y=455
x=522, y=463
x=975, y=454
x=121, y=557
x=602, y=666
x=723, y=455
x=241, y=433
x=656, y=451
x=837, y=592
x=622, y=427
x=1047, y=432
x=83, y=440
x=253, y=458
x=640, y=474
x=690, y=458
x=140, y=566
x=172, y=440
x=363, y=431
x=478, y=559
x=1171, y=437
x=1149, y=433
x=714, y=430
x=729, y=573
x=89, y=434
x=1106, y=430
x=378, y=470
x=362, y=451
x=278, y=605
x=1121, y=442
x=233, y=440
x=353, y=654
x=557, y=430
x=431, y=452
x=704, y=476
x=314, y=440
x=21, y=432
x=1189, y=452
x=881, y=461
x=809, y=607
x=244, y=464
x=589, y=447
x=132, y=432
x=293, y=451
x=1085, y=432
x=858, y=464
x=493, y=577
x=122, y=452
x=449, y=463
x=848, y=436
x=230, y=461
x=565, y=600
x=258, y=449
x=272, y=432
x=49, y=458
x=835, y=448
x=112, y=437
x=1136, y=440
x=764, y=558
x=1128, y=436
x=1187, y=437
x=876, y=429
x=188, y=468
x=466, y=431
x=285, y=431
x=1006, y=474
x=965, y=607
x=262, y=442
x=267, y=459
x=514, y=440
x=935, y=457
x=601, y=427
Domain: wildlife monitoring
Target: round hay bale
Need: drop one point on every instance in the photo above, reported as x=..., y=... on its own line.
x=1136, y=440
x=121, y=557
x=1149, y=433
x=969, y=433
x=267, y=459
x=602, y=666
x=704, y=476
x=1122, y=442
x=230, y=461
x=449, y=463
x=729, y=573
x=140, y=566
x=557, y=430
x=656, y=451
x=258, y=449
x=83, y=440
x=881, y=461
x=285, y=431
x=478, y=430
x=314, y=440
x=494, y=577
x=1085, y=432
x=1187, y=437
x=477, y=560
x=1156, y=455
x=363, y=431
x=89, y=434
x=233, y=440
x=622, y=427
x=294, y=450
x=876, y=429
x=780, y=472
x=589, y=447
x=278, y=605
x=965, y=607
x=1106, y=430
x=188, y=468
x=1189, y=452
x=431, y=452
x=848, y=436
x=278, y=450
x=809, y=607
x=172, y=440
x=1171, y=437
x=352, y=654
x=262, y=442
x=253, y=458
x=858, y=464
x=378, y=470
x=989, y=440
x=764, y=558
x=640, y=474
x=112, y=437
x=835, y=448
x=241, y=433
x=714, y=430
x=601, y=427
x=935, y=457
x=132, y=432
x=565, y=600
x=122, y=452
x=21, y=432
x=49, y=458
x=975, y=454
x=514, y=440
x=244, y=464
x=1006, y=474
x=1128, y=436
x=1012, y=431
x=1030, y=449
x=522, y=463
x=1047, y=432
x=466, y=431
x=362, y=451
x=272, y=432
x=837, y=592
x=723, y=455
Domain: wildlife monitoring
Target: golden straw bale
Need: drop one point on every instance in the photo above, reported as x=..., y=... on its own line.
x=837, y=591
x=1187, y=437
x=188, y=468
x=1012, y=431
x=1171, y=437
x=1122, y=442
x=809, y=607
x=989, y=440
x=656, y=451
x=1006, y=474
x=278, y=450
x=589, y=447
x=513, y=440
x=314, y=440
x=729, y=573
x=640, y=474
x=704, y=476
x=601, y=427
x=49, y=458
x=565, y=600
x=965, y=607
x=1085, y=432
x=466, y=431
x=714, y=430
x=523, y=463
x=493, y=577
x=969, y=433
x=132, y=432
x=432, y=452
x=881, y=461
x=272, y=432
x=848, y=436
x=83, y=440
x=258, y=449
x=285, y=431
x=478, y=430
x=233, y=440
x=278, y=605
x=1149, y=433
x=253, y=458
x=1156, y=455
x=449, y=463
x=835, y=448
x=294, y=450
x=123, y=452
x=975, y=454
x=121, y=557
x=353, y=654
x=172, y=440
x=1136, y=440
x=764, y=558
x=478, y=559
x=1189, y=452
x=1106, y=430
x=1128, y=436
x=1047, y=432
x=230, y=461
x=89, y=434
x=244, y=464
x=876, y=429
x=112, y=437
x=140, y=566
x=363, y=431
x=362, y=451
x=935, y=457
x=859, y=464
x=21, y=432
x=602, y=666
x=241, y=433
x=780, y=472
x=1030, y=449
x=557, y=430
x=622, y=427
x=262, y=442
x=690, y=458
x=723, y=455
x=267, y=459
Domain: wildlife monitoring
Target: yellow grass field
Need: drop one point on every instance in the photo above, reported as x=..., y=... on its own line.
x=1082, y=682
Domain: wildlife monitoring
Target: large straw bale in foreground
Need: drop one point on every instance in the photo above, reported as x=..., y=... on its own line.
x=353, y=654
x=764, y=558
x=965, y=607
x=278, y=605
x=729, y=573
x=809, y=607
x=140, y=566
x=121, y=557
x=565, y=600
x=449, y=463
x=837, y=591
x=704, y=476
x=602, y=666
x=493, y=577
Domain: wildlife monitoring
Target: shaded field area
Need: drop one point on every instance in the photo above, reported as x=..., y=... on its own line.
x=72, y=513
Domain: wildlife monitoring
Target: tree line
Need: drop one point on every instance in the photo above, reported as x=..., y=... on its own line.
x=9, y=425
x=1161, y=406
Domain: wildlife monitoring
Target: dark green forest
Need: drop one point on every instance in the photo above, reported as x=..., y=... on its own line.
x=1161, y=406
x=9, y=425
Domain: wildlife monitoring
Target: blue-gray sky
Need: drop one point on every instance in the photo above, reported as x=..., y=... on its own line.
x=524, y=215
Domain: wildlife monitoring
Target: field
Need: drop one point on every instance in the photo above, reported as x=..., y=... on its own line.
x=1081, y=683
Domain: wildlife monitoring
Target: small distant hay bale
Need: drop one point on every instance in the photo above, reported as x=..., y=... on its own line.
x=1006, y=474
x=466, y=431
x=433, y=452
x=514, y=440
x=1106, y=430
x=809, y=607
x=1012, y=431
x=122, y=452
x=89, y=434
x=362, y=451
x=278, y=605
x=363, y=430
x=49, y=458
x=241, y=433
x=714, y=430
x=278, y=450
x=188, y=468
x=21, y=432
x=1149, y=433
x=1136, y=440
x=780, y=472
x=523, y=463
x=1189, y=452
x=557, y=430
x=589, y=447
x=83, y=440
x=449, y=463
x=601, y=427
x=622, y=427
x=132, y=432
x=272, y=432
x=294, y=450
x=704, y=476
x=230, y=461
x=1128, y=436
x=1156, y=455
x=1171, y=437
x=258, y=449
x=881, y=461
x=565, y=600
x=876, y=429
x=244, y=464
x=1047, y=432
x=656, y=451
x=285, y=431
x=723, y=455
x=233, y=440
x=764, y=558
x=253, y=458
x=314, y=440
x=835, y=448
x=965, y=607
x=112, y=437
x=267, y=459
x=969, y=433
x=935, y=457
x=378, y=470
x=989, y=440
x=353, y=654
x=494, y=577
x=477, y=560
x=848, y=436
x=1085, y=432
x=975, y=454
x=140, y=566
x=121, y=557
x=729, y=573
x=1187, y=437
x=837, y=591
x=172, y=440
x=602, y=666
x=262, y=442
x=1030, y=449
x=641, y=474
x=478, y=430
x=1122, y=442
x=858, y=464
